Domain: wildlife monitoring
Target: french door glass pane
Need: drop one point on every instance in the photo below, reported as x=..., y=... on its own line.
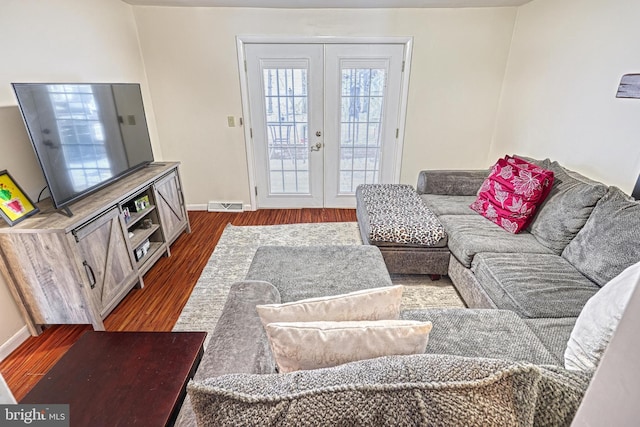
x=286, y=107
x=362, y=97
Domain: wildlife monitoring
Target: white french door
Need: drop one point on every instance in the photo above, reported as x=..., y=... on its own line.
x=362, y=113
x=285, y=101
x=324, y=119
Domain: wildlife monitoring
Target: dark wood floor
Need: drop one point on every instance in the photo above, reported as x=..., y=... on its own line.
x=168, y=285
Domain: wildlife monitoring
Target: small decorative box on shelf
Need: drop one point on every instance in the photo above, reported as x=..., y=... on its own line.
x=142, y=250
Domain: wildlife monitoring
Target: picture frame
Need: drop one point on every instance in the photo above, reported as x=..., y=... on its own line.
x=141, y=203
x=15, y=205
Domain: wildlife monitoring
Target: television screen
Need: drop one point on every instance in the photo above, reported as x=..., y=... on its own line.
x=84, y=135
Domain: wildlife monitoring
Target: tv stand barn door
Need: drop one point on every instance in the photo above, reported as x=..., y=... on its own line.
x=110, y=270
x=75, y=270
x=170, y=201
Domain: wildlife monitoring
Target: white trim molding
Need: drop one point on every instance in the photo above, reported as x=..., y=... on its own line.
x=204, y=207
x=197, y=207
x=14, y=342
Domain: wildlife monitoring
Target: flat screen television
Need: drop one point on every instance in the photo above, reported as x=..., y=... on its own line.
x=85, y=135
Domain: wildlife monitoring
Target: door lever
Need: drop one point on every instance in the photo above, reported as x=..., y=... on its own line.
x=316, y=147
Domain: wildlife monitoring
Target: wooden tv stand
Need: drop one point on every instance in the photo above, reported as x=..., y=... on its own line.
x=75, y=270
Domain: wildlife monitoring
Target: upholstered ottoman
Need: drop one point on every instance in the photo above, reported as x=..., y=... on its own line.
x=300, y=272
x=394, y=218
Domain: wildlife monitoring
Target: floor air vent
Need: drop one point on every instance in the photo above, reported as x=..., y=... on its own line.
x=225, y=207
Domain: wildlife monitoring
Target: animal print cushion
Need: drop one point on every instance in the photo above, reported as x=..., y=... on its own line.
x=398, y=215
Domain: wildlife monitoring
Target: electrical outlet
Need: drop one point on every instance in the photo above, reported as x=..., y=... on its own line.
x=231, y=121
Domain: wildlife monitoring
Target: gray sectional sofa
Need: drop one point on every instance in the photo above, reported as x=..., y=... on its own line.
x=582, y=236
x=524, y=292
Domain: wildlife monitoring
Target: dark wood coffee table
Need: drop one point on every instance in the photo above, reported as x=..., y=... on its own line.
x=122, y=378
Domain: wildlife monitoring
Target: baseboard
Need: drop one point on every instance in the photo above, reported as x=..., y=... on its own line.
x=14, y=342
x=197, y=207
x=203, y=207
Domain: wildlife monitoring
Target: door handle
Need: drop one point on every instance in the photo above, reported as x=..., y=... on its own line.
x=90, y=274
x=316, y=147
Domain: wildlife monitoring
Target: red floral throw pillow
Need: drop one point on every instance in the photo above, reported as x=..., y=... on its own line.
x=512, y=192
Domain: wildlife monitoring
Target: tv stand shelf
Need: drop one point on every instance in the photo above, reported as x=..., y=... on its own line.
x=137, y=216
x=75, y=270
x=143, y=234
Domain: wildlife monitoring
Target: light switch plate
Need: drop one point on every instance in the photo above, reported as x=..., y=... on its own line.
x=231, y=121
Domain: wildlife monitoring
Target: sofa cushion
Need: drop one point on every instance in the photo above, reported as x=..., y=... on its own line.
x=533, y=285
x=473, y=234
x=567, y=208
x=313, y=345
x=553, y=333
x=599, y=320
x=610, y=240
x=300, y=272
x=511, y=193
x=368, y=304
x=394, y=214
x=396, y=390
x=449, y=205
x=498, y=334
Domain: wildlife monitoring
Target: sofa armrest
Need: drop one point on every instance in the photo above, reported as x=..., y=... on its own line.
x=451, y=182
x=239, y=342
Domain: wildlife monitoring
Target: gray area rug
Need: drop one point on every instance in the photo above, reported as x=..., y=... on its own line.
x=234, y=252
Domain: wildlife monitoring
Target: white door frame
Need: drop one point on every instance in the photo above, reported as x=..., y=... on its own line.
x=242, y=40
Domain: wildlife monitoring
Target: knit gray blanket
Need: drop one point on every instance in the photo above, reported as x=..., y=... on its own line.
x=419, y=390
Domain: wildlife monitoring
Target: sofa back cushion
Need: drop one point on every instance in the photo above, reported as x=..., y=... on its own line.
x=395, y=390
x=610, y=240
x=567, y=208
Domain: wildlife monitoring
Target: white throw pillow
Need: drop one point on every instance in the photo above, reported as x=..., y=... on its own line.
x=369, y=304
x=598, y=321
x=313, y=345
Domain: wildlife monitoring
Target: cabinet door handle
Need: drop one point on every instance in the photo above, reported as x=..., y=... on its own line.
x=90, y=274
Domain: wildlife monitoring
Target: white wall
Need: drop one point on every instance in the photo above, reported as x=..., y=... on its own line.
x=459, y=59
x=57, y=40
x=558, y=101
